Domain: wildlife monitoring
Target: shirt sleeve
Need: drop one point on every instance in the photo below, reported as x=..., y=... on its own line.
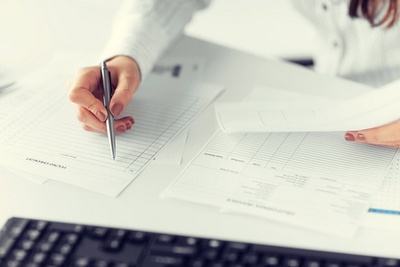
x=144, y=29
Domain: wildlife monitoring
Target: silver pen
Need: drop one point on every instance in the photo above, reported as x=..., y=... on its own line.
x=107, y=94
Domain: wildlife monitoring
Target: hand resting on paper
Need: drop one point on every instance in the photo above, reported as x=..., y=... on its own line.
x=385, y=135
x=85, y=91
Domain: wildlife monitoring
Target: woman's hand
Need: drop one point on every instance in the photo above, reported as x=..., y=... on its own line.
x=85, y=91
x=385, y=135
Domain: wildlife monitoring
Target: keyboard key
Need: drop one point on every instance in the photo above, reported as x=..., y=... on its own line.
x=57, y=259
x=71, y=239
x=389, y=263
x=17, y=228
x=271, y=261
x=33, y=235
x=53, y=237
x=137, y=237
x=210, y=254
x=46, y=247
x=191, y=241
x=19, y=255
x=251, y=258
x=39, y=257
x=291, y=262
x=99, y=232
x=174, y=250
x=237, y=246
x=312, y=263
x=165, y=239
x=82, y=262
x=167, y=260
x=39, y=225
x=119, y=233
x=27, y=245
x=113, y=245
x=216, y=244
x=5, y=246
x=230, y=257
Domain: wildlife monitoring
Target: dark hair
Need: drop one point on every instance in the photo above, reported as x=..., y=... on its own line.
x=368, y=9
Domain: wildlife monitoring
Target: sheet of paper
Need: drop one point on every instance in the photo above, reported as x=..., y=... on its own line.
x=44, y=138
x=172, y=153
x=337, y=178
x=170, y=72
x=371, y=109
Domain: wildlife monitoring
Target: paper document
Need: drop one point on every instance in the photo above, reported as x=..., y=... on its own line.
x=171, y=72
x=371, y=109
x=44, y=138
x=312, y=180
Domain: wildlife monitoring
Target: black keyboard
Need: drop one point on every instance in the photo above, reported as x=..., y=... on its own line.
x=33, y=243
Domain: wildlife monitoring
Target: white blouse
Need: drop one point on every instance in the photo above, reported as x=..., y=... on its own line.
x=350, y=48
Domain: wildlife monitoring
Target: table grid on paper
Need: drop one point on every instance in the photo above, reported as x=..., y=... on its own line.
x=319, y=153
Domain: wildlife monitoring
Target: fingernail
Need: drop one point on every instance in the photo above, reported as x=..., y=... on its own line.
x=101, y=116
x=361, y=137
x=121, y=129
x=117, y=109
x=349, y=137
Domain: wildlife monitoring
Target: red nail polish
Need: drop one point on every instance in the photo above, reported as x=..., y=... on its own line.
x=349, y=137
x=121, y=129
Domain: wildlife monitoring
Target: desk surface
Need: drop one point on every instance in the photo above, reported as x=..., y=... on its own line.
x=140, y=207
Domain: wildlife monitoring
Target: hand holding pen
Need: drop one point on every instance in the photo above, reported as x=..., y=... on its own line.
x=85, y=91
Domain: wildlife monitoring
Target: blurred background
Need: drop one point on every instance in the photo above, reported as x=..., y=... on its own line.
x=32, y=31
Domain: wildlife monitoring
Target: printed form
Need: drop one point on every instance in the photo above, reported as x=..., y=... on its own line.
x=44, y=138
x=312, y=180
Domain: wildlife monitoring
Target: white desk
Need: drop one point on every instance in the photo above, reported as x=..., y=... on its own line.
x=139, y=205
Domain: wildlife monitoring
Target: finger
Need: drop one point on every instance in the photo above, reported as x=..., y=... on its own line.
x=90, y=129
x=123, y=124
x=89, y=121
x=83, y=89
x=120, y=126
x=386, y=135
x=122, y=94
